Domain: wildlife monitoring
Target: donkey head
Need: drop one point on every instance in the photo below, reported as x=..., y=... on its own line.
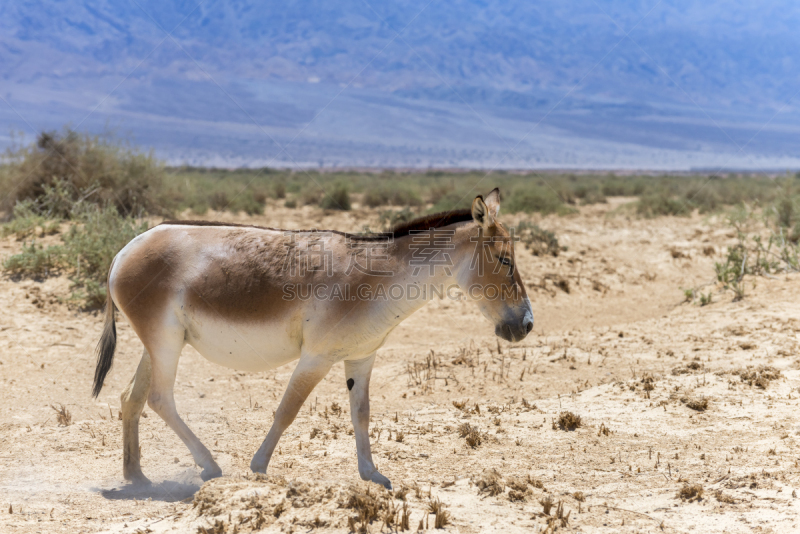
x=492, y=278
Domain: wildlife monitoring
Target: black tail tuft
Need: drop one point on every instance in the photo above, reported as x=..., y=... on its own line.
x=105, y=348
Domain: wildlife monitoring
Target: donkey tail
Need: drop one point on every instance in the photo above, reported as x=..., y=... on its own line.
x=105, y=348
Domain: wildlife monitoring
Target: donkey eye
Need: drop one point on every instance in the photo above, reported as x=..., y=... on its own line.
x=505, y=261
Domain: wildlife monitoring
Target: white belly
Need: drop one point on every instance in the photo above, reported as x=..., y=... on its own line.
x=244, y=346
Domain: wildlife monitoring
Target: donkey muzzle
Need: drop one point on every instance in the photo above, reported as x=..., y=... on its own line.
x=515, y=330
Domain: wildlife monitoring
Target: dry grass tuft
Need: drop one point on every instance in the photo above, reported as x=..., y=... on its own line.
x=517, y=484
x=441, y=517
x=473, y=436
x=279, y=509
x=567, y=421
x=517, y=496
x=405, y=517
x=604, y=430
x=62, y=415
x=219, y=527
x=402, y=493
x=721, y=497
x=560, y=518
x=536, y=483
x=579, y=496
x=547, y=504
x=691, y=492
x=698, y=405
x=368, y=508
x=491, y=482
x=759, y=376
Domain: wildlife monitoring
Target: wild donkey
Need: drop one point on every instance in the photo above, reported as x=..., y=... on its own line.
x=254, y=298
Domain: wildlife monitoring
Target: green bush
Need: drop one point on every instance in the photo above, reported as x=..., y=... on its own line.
x=539, y=241
x=34, y=261
x=660, y=204
x=535, y=199
x=391, y=218
x=336, y=199
x=87, y=169
x=453, y=201
x=393, y=196
x=86, y=253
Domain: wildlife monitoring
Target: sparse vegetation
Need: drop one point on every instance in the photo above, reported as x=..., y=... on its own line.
x=691, y=492
x=471, y=434
x=491, y=483
x=540, y=242
x=85, y=252
x=759, y=376
x=63, y=416
x=698, y=405
x=338, y=198
x=567, y=421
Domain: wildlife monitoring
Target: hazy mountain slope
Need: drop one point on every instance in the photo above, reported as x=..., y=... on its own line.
x=671, y=75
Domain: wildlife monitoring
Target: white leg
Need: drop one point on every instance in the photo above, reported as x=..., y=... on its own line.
x=357, y=374
x=133, y=399
x=309, y=371
x=164, y=360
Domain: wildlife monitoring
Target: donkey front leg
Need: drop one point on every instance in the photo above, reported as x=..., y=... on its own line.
x=309, y=371
x=358, y=374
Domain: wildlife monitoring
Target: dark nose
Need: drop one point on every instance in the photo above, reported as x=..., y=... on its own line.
x=527, y=325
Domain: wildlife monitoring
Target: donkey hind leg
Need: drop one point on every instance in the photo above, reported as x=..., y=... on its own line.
x=358, y=374
x=133, y=399
x=309, y=371
x=164, y=356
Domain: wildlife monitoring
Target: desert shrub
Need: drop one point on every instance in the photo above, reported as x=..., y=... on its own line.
x=691, y=492
x=659, y=204
x=34, y=261
x=452, y=201
x=25, y=221
x=539, y=241
x=536, y=199
x=392, y=196
x=567, y=421
x=86, y=252
x=310, y=195
x=759, y=376
x=391, y=218
x=336, y=199
x=704, y=198
x=491, y=482
x=87, y=169
x=437, y=193
x=590, y=194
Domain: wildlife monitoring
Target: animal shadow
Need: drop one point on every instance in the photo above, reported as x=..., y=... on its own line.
x=166, y=491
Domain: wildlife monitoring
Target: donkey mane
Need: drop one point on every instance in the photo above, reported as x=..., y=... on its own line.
x=426, y=222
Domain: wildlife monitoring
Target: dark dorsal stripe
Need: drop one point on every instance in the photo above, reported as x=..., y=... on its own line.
x=426, y=222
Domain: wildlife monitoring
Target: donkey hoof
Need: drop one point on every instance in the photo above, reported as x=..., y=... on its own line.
x=211, y=472
x=258, y=467
x=382, y=480
x=138, y=479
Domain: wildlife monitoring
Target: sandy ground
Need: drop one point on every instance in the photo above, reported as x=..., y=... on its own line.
x=620, y=350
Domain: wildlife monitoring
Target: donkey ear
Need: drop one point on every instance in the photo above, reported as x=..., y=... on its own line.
x=480, y=213
x=493, y=203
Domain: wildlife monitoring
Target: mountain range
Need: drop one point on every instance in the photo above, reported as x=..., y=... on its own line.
x=613, y=84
